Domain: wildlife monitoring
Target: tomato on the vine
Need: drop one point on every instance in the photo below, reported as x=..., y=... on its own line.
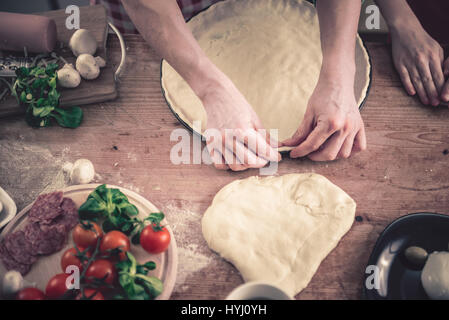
x=69, y=258
x=86, y=235
x=90, y=294
x=30, y=294
x=56, y=286
x=115, y=240
x=154, y=239
x=101, y=269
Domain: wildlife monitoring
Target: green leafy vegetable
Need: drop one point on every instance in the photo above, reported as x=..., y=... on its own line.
x=135, y=283
x=112, y=205
x=35, y=88
x=118, y=212
x=69, y=118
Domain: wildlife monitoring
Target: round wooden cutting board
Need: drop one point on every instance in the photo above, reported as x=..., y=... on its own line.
x=48, y=266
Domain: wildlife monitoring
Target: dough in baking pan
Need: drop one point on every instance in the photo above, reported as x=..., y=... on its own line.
x=271, y=50
x=278, y=229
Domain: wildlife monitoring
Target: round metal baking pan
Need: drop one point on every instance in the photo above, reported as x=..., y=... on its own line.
x=199, y=134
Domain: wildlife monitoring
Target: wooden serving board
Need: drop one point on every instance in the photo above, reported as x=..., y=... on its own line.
x=93, y=18
x=47, y=266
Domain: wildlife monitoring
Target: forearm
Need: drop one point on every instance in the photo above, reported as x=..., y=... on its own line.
x=338, y=28
x=397, y=14
x=161, y=24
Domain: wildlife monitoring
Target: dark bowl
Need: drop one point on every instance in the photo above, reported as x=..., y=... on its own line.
x=398, y=278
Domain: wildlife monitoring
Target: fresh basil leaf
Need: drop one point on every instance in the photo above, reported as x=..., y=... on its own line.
x=152, y=284
x=92, y=205
x=69, y=118
x=150, y=265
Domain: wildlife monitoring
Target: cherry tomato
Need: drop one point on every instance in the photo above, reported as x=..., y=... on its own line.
x=115, y=239
x=30, y=294
x=90, y=294
x=56, y=286
x=154, y=241
x=69, y=258
x=87, y=238
x=101, y=269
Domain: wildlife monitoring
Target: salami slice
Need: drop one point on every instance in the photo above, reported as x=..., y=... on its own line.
x=50, y=219
x=46, y=207
x=19, y=248
x=46, y=241
x=10, y=263
x=70, y=213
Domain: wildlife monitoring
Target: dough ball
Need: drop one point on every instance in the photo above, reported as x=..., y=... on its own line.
x=82, y=172
x=435, y=276
x=277, y=230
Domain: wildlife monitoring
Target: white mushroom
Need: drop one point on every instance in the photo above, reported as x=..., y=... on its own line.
x=87, y=66
x=1, y=206
x=12, y=283
x=82, y=41
x=100, y=61
x=82, y=171
x=68, y=77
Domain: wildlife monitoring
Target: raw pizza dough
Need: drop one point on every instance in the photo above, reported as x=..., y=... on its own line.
x=278, y=229
x=271, y=50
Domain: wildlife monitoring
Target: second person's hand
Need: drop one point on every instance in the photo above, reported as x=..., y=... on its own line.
x=418, y=58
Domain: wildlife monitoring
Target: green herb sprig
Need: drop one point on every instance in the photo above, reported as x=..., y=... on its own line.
x=112, y=205
x=36, y=89
x=118, y=213
x=134, y=281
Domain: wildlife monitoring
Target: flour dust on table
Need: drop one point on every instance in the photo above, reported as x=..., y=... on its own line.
x=28, y=170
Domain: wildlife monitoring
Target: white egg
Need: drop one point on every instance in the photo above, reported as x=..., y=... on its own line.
x=82, y=172
x=435, y=276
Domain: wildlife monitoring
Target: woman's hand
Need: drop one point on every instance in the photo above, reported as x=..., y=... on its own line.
x=418, y=58
x=235, y=136
x=332, y=127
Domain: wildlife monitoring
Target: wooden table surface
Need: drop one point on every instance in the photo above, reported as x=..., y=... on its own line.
x=404, y=170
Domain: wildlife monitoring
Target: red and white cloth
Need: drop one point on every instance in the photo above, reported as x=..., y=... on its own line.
x=120, y=19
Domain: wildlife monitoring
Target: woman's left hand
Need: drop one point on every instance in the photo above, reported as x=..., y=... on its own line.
x=418, y=58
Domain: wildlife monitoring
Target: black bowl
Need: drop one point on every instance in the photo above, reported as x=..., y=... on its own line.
x=398, y=278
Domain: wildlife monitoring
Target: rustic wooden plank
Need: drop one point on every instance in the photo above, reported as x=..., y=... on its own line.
x=103, y=88
x=404, y=170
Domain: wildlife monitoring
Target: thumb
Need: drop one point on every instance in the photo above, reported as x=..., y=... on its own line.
x=301, y=134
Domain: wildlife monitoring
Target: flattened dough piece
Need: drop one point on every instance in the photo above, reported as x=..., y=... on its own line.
x=271, y=50
x=278, y=229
